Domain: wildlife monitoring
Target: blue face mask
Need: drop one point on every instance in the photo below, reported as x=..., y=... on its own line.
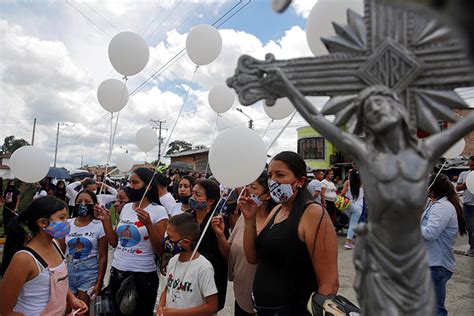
x=84, y=210
x=197, y=205
x=58, y=230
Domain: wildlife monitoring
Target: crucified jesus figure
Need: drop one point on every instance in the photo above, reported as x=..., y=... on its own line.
x=393, y=277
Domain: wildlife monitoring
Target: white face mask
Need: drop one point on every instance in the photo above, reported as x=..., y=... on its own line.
x=256, y=199
x=280, y=192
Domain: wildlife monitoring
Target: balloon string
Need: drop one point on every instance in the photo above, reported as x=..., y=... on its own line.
x=169, y=137
x=113, y=134
x=213, y=136
x=281, y=132
x=266, y=130
x=436, y=177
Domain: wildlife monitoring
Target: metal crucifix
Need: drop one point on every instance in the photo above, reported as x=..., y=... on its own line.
x=389, y=73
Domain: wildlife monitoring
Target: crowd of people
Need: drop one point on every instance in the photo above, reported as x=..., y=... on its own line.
x=275, y=239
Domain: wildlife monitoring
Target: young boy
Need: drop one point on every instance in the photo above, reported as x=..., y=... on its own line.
x=194, y=293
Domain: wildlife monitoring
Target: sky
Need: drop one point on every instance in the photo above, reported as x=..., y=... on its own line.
x=54, y=57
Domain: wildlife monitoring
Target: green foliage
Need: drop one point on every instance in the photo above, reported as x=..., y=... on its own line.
x=178, y=146
x=10, y=144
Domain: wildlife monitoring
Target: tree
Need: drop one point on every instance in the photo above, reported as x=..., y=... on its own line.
x=178, y=146
x=10, y=144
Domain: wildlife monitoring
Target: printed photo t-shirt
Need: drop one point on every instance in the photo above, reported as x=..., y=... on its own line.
x=134, y=251
x=82, y=242
x=198, y=283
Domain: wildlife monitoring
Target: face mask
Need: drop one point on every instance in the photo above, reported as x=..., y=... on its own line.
x=197, y=205
x=256, y=199
x=184, y=199
x=172, y=247
x=280, y=192
x=136, y=195
x=84, y=210
x=58, y=230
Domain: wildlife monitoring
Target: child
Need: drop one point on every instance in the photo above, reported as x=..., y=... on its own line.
x=190, y=288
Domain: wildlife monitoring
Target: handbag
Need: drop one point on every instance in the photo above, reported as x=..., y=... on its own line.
x=342, y=203
x=127, y=295
x=332, y=305
x=101, y=305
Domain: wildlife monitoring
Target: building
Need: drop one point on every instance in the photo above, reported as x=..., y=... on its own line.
x=314, y=149
x=469, y=138
x=197, y=158
x=5, y=171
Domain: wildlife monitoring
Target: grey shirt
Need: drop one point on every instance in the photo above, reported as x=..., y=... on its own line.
x=313, y=186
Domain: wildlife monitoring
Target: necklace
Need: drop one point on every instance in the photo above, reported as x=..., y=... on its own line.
x=278, y=218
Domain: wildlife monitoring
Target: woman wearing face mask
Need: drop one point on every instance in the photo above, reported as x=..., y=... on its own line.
x=40, y=190
x=138, y=236
x=353, y=190
x=11, y=198
x=440, y=223
x=296, y=251
x=60, y=191
x=185, y=186
x=240, y=271
x=35, y=275
x=329, y=194
x=205, y=195
x=86, y=247
x=123, y=197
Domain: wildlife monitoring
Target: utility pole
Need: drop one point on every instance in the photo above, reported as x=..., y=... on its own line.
x=250, y=119
x=57, y=141
x=82, y=161
x=159, y=122
x=33, y=135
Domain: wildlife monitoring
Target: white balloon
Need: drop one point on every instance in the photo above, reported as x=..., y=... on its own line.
x=112, y=95
x=319, y=23
x=455, y=150
x=281, y=109
x=203, y=44
x=470, y=182
x=221, y=98
x=124, y=162
x=237, y=169
x=29, y=164
x=128, y=53
x=146, y=139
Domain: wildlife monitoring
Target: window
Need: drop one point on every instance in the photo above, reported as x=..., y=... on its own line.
x=312, y=148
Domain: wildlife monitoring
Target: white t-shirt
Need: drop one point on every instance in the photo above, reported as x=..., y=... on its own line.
x=467, y=196
x=176, y=209
x=134, y=251
x=168, y=203
x=313, y=186
x=103, y=199
x=330, y=194
x=198, y=283
x=83, y=242
x=39, y=194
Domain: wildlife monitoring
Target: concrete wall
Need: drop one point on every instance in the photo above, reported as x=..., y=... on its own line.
x=309, y=132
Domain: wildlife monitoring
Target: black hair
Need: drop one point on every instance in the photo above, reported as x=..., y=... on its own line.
x=43, y=207
x=263, y=181
x=60, y=181
x=326, y=172
x=354, y=183
x=192, y=180
x=471, y=158
x=88, y=182
x=162, y=180
x=186, y=226
x=127, y=191
x=297, y=165
x=90, y=193
x=442, y=187
x=212, y=190
x=147, y=176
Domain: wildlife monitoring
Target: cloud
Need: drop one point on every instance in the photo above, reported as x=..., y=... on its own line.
x=303, y=7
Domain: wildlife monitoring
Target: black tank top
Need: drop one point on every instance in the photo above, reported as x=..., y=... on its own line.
x=285, y=274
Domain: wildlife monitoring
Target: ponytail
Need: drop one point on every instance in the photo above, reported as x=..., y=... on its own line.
x=442, y=187
x=17, y=236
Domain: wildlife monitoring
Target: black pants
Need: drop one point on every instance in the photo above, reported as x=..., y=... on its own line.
x=147, y=290
x=238, y=311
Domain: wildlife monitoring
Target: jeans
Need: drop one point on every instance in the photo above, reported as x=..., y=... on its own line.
x=147, y=290
x=353, y=212
x=469, y=217
x=440, y=276
x=83, y=274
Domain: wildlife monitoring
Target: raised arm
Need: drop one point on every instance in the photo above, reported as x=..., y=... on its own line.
x=437, y=144
x=276, y=80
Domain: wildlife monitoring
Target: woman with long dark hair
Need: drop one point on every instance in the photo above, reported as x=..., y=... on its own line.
x=11, y=204
x=136, y=239
x=328, y=194
x=355, y=193
x=34, y=270
x=87, y=248
x=296, y=251
x=440, y=223
x=185, y=187
x=205, y=195
x=60, y=191
x=241, y=272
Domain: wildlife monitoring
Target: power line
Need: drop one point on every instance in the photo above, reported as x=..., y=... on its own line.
x=89, y=19
x=156, y=17
x=98, y=13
